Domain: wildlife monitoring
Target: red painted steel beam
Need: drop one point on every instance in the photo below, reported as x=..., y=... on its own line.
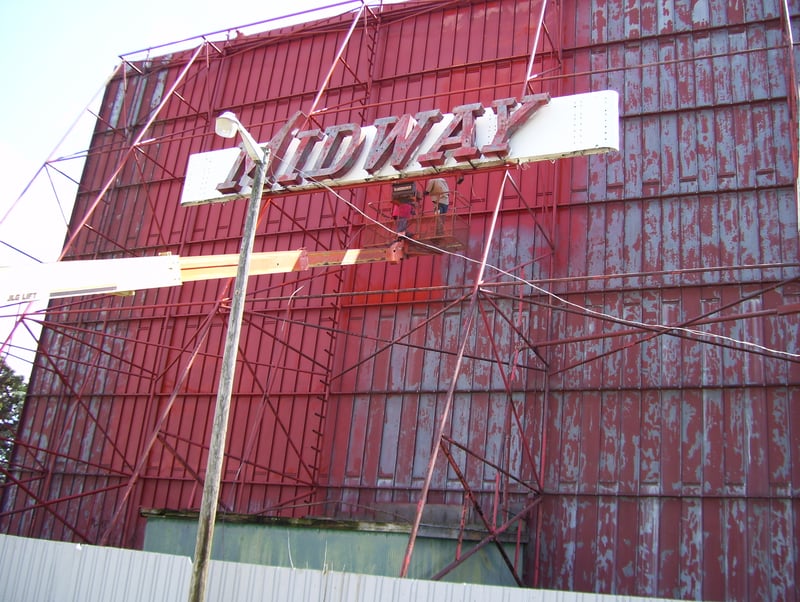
x=281, y=339
x=21, y=316
x=45, y=505
x=291, y=502
x=657, y=330
x=529, y=74
x=396, y=340
x=491, y=464
x=650, y=274
x=153, y=436
x=510, y=401
x=322, y=89
x=445, y=415
x=791, y=76
x=145, y=183
x=551, y=209
x=76, y=402
x=479, y=510
x=139, y=137
x=488, y=539
x=60, y=500
x=295, y=480
x=66, y=330
x=671, y=330
x=27, y=447
x=535, y=300
x=528, y=343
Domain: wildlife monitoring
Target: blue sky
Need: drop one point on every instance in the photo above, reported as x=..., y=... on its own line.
x=55, y=57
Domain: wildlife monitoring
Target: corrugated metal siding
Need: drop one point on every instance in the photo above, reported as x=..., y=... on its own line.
x=672, y=469
x=35, y=570
x=670, y=461
x=84, y=573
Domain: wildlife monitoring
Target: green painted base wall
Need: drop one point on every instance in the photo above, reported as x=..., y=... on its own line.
x=354, y=550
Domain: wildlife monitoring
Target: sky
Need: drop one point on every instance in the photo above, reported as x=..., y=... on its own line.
x=55, y=58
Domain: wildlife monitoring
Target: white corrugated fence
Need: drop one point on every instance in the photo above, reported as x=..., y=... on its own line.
x=37, y=570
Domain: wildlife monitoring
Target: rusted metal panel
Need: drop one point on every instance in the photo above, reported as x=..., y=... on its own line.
x=737, y=449
x=639, y=530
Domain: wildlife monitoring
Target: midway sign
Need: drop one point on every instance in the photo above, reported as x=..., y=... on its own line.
x=472, y=137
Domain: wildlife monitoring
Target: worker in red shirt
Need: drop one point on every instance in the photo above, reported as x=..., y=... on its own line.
x=401, y=212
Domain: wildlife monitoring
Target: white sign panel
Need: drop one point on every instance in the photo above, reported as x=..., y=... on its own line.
x=472, y=137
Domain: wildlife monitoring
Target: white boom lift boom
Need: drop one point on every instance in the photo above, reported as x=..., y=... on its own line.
x=44, y=281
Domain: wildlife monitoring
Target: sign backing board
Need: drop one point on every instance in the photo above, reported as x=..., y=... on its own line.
x=566, y=126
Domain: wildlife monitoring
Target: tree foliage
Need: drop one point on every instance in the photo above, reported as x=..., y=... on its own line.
x=12, y=395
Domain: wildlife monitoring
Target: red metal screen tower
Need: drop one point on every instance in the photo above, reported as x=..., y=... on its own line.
x=608, y=372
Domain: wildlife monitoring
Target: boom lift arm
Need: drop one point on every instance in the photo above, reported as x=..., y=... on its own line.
x=44, y=281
